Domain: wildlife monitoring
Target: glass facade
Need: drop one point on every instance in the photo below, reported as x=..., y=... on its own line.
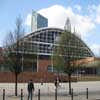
x=38, y=21
x=42, y=43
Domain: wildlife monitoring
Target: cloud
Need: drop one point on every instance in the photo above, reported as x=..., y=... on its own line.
x=57, y=16
x=98, y=19
x=96, y=49
x=95, y=13
x=98, y=15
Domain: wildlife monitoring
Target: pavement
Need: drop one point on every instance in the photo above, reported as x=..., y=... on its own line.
x=47, y=91
x=78, y=97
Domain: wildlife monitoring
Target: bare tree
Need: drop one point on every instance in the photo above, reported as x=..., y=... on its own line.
x=12, y=50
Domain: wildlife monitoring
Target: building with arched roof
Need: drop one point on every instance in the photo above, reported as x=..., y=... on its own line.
x=41, y=44
x=36, y=49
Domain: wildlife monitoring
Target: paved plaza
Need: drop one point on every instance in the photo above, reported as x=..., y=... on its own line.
x=47, y=91
x=47, y=97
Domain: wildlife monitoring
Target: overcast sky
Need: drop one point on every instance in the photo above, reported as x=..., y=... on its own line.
x=84, y=16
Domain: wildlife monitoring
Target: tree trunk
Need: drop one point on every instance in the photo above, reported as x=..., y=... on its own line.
x=16, y=77
x=69, y=80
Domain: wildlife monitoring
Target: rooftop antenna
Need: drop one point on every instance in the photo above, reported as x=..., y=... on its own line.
x=67, y=26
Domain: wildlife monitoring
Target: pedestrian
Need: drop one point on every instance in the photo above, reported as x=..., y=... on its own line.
x=30, y=89
x=56, y=82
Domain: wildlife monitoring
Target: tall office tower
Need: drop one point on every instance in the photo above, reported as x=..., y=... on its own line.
x=38, y=21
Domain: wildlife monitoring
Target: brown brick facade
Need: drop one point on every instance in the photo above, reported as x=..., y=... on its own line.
x=35, y=76
x=43, y=64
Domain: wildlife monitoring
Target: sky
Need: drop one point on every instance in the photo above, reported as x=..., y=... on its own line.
x=84, y=16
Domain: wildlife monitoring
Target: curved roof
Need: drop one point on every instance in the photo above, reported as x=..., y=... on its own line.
x=39, y=31
x=44, y=38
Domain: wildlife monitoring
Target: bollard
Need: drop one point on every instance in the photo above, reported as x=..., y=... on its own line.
x=3, y=94
x=39, y=94
x=87, y=93
x=72, y=94
x=56, y=93
x=21, y=94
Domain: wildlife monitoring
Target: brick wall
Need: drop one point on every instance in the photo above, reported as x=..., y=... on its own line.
x=43, y=64
x=36, y=77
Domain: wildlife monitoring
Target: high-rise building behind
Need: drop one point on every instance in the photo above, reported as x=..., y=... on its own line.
x=38, y=21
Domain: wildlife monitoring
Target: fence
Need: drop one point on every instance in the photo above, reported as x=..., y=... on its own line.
x=55, y=96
